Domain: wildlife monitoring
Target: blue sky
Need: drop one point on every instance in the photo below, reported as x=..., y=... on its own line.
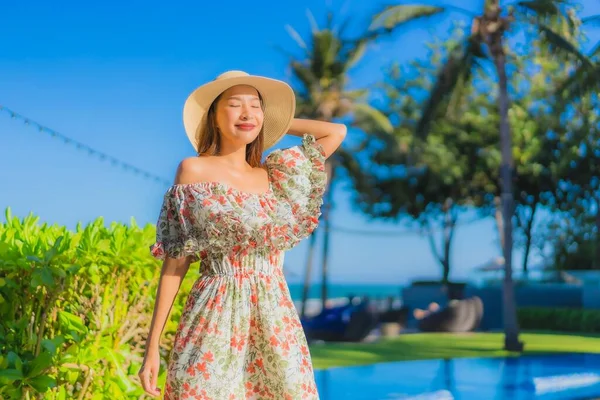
x=114, y=75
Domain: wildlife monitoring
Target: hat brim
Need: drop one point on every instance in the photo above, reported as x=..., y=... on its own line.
x=279, y=103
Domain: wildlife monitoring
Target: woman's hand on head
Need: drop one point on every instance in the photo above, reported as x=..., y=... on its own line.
x=329, y=135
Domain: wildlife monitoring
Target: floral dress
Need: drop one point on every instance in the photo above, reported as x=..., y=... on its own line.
x=239, y=336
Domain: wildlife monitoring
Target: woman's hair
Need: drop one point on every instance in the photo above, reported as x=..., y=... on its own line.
x=210, y=141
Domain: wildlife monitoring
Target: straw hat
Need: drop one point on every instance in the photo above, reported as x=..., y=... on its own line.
x=278, y=99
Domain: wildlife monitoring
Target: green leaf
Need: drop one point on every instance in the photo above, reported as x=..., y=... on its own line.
x=61, y=273
x=14, y=359
x=39, y=364
x=42, y=383
x=394, y=16
x=7, y=376
x=62, y=393
x=73, y=269
x=123, y=380
x=42, y=277
x=71, y=322
x=51, y=345
x=12, y=392
x=35, y=259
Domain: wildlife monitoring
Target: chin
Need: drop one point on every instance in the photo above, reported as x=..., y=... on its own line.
x=249, y=138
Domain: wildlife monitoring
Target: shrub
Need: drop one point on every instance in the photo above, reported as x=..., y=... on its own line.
x=75, y=308
x=559, y=319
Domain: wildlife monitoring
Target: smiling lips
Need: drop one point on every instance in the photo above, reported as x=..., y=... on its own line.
x=246, y=127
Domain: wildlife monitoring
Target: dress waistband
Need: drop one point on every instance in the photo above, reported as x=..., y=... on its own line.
x=242, y=273
x=271, y=265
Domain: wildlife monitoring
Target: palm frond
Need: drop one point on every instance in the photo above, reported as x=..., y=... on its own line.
x=296, y=36
x=585, y=80
x=356, y=94
x=356, y=53
x=596, y=50
x=592, y=20
x=560, y=44
x=393, y=16
x=314, y=27
x=541, y=8
x=458, y=70
x=368, y=116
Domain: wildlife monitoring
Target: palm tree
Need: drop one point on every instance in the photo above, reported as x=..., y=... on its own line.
x=486, y=41
x=323, y=93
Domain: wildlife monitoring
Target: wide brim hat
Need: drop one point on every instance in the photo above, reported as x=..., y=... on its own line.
x=279, y=104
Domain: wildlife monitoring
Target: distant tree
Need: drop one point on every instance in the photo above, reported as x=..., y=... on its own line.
x=580, y=190
x=579, y=103
x=432, y=187
x=485, y=41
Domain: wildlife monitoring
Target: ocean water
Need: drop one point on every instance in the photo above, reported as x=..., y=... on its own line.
x=337, y=290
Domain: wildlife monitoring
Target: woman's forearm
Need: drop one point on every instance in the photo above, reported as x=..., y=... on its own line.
x=172, y=274
x=328, y=134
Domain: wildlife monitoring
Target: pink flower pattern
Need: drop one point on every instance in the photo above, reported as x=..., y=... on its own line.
x=239, y=336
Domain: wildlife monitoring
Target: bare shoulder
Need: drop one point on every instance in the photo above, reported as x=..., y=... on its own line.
x=191, y=169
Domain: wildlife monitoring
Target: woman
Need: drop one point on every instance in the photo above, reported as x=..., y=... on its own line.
x=239, y=336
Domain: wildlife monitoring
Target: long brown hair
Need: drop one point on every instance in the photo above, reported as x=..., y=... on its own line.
x=210, y=142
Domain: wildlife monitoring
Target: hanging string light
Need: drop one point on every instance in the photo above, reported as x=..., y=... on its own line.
x=115, y=162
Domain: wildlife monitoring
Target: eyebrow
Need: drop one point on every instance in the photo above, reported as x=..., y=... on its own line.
x=239, y=98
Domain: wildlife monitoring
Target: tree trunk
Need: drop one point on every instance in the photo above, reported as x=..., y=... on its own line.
x=448, y=234
x=449, y=224
x=446, y=271
x=511, y=326
x=596, y=263
x=308, y=272
x=498, y=216
x=528, y=237
x=328, y=204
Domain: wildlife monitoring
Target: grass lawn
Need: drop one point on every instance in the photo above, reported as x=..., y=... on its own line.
x=419, y=346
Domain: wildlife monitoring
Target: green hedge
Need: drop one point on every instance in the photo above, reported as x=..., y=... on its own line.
x=559, y=319
x=75, y=309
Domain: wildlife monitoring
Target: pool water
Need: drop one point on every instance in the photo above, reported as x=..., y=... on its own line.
x=564, y=377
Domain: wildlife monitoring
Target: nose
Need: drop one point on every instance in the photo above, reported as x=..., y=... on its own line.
x=245, y=113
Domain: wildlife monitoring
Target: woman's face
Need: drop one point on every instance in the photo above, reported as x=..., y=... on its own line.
x=239, y=114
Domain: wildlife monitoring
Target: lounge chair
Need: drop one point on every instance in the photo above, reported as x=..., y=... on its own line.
x=459, y=316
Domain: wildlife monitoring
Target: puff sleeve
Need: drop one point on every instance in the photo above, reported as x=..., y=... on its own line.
x=178, y=233
x=298, y=178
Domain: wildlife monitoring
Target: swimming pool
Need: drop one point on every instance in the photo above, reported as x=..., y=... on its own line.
x=564, y=377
